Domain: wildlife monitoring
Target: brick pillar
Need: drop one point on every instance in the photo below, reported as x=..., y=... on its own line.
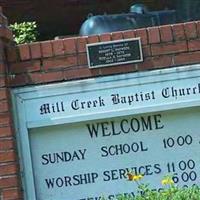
x=10, y=186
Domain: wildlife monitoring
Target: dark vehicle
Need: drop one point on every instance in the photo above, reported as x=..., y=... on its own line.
x=139, y=17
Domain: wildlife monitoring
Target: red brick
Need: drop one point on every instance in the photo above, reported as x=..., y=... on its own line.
x=169, y=48
x=81, y=44
x=58, y=47
x=3, y=93
x=187, y=58
x=5, y=131
x=47, y=49
x=11, y=181
x=2, y=81
x=147, y=64
x=162, y=61
x=117, y=36
x=117, y=69
x=35, y=50
x=46, y=77
x=5, y=119
x=190, y=30
x=69, y=45
x=194, y=45
x=8, y=169
x=2, y=46
x=178, y=32
x=166, y=33
x=7, y=156
x=12, y=194
x=6, y=33
x=146, y=51
x=154, y=35
x=82, y=72
x=105, y=37
x=198, y=28
x=142, y=33
x=12, y=54
x=129, y=34
x=2, y=57
x=19, y=80
x=26, y=66
x=63, y=62
x=24, y=52
x=9, y=34
x=36, y=78
x=53, y=76
x=3, y=32
x=82, y=59
x=6, y=144
x=2, y=68
x=93, y=39
x=93, y=72
x=4, y=106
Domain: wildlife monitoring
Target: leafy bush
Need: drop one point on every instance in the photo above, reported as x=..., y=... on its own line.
x=24, y=32
x=169, y=191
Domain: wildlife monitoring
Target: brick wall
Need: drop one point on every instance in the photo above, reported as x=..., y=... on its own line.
x=10, y=186
x=64, y=60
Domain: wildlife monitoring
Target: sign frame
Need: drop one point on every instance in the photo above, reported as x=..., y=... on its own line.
x=138, y=39
x=22, y=96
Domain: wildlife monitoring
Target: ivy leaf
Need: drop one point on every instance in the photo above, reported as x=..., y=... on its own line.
x=24, y=32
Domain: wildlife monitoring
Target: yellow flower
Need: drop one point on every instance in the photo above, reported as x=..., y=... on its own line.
x=138, y=177
x=167, y=181
x=130, y=176
x=134, y=177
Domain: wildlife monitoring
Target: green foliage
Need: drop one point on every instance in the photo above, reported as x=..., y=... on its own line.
x=171, y=193
x=168, y=192
x=24, y=32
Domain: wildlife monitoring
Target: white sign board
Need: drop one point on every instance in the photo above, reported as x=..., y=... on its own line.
x=90, y=160
x=78, y=140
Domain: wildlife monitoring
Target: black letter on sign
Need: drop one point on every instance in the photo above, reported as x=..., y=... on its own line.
x=44, y=109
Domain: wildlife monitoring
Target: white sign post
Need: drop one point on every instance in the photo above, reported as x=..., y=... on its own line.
x=79, y=139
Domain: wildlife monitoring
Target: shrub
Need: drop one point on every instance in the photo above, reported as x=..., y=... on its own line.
x=169, y=191
x=24, y=32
